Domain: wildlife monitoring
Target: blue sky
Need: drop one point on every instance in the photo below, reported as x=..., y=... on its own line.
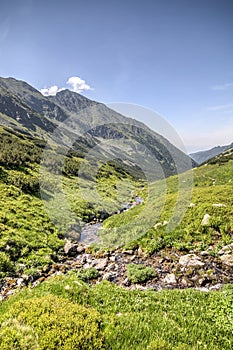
x=172, y=56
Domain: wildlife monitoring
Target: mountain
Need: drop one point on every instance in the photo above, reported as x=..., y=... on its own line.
x=223, y=157
x=74, y=121
x=203, y=156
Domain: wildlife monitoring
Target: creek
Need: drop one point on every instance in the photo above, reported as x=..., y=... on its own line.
x=89, y=233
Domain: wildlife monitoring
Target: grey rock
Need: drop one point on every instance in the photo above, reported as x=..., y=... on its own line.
x=190, y=260
x=217, y=286
x=80, y=249
x=202, y=289
x=204, y=253
x=227, y=259
x=170, y=279
x=20, y=282
x=205, y=220
x=70, y=248
x=128, y=252
x=227, y=249
x=107, y=276
x=101, y=263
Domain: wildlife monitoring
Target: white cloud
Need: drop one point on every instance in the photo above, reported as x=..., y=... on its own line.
x=50, y=91
x=226, y=107
x=76, y=84
x=222, y=86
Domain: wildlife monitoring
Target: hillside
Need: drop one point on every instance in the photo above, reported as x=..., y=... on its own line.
x=48, y=289
x=83, y=124
x=157, y=270
x=203, y=156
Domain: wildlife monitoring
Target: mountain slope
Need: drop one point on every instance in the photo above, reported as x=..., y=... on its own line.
x=203, y=156
x=26, y=109
x=222, y=157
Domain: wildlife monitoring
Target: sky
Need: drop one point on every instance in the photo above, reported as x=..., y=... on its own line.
x=174, y=57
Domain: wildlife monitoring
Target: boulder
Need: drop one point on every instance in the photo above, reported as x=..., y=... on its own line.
x=205, y=220
x=190, y=260
x=227, y=259
x=170, y=279
x=80, y=249
x=70, y=249
x=100, y=264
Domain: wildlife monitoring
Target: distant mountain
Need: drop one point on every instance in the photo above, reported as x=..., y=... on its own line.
x=75, y=121
x=223, y=157
x=203, y=156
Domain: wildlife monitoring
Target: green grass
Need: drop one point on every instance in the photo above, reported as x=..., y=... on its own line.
x=178, y=319
x=29, y=240
x=212, y=185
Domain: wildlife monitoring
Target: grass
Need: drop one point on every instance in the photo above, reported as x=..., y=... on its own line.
x=178, y=319
x=212, y=185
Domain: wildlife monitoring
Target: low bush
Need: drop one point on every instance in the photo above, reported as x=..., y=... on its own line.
x=55, y=322
x=139, y=273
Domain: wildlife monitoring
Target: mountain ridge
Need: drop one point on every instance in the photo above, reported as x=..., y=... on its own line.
x=74, y=116
x=203, y=156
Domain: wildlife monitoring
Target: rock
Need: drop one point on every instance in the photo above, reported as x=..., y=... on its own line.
x=205, y=220
x=227, y=259
x=110, y=267
x=80, y=249
x=185, y=282
x=101, y=263
x=107, y=276
x=140, y=251
x=227, y=249
x=128, y=252
x=11, y=292
x=217, y=286
x=191, y=205
x=190, y=260
x=20, y=282
x=170, y=279
x=74, y=232
x=204, y=253
x=125, y=282
x=202, y=289
x=88, y=258
x=70, y=248
x=87, y=266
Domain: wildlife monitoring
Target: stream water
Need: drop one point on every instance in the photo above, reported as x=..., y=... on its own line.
x=89, y=233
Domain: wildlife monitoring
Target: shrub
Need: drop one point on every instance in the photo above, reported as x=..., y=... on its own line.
x=58, y=323
x=15, y=335
x=139, y=273
x=6, y=265
x=88, y=274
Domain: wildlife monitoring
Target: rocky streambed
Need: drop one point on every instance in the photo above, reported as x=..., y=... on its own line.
x=173, y=269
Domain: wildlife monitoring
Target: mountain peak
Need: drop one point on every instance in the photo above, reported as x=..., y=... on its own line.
x=72, y=101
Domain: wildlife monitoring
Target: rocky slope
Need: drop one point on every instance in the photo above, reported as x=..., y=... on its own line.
x=172, y=269
x=24, y=108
